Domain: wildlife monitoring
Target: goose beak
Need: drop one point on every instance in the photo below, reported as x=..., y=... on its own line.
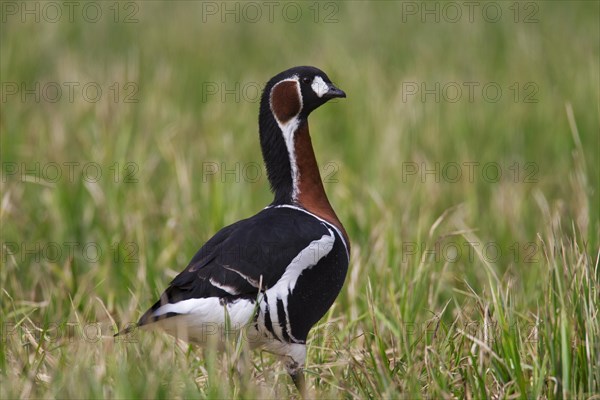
x=333, y=93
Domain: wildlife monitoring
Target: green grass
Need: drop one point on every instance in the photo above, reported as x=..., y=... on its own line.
x=466, y=288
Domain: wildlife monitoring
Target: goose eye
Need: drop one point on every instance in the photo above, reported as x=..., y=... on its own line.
x=305, y=80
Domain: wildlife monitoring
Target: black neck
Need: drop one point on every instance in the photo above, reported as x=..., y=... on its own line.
x=275, y=155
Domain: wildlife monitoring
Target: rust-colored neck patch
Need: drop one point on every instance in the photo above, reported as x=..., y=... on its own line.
x=285, y=101
x=311, y=193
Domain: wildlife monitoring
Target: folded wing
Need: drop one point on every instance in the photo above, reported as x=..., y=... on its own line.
x=240, y=260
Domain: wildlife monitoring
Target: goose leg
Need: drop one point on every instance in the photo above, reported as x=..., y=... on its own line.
x=294, y=364
x=298, y=378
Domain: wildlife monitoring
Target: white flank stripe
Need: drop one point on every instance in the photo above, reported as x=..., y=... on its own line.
x=210, y=310
x=306, y=259
x=201, y=319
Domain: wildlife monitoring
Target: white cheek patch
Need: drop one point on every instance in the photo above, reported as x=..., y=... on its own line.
x=319, y=86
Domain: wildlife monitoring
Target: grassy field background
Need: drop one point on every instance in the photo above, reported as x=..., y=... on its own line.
x=464, y=164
